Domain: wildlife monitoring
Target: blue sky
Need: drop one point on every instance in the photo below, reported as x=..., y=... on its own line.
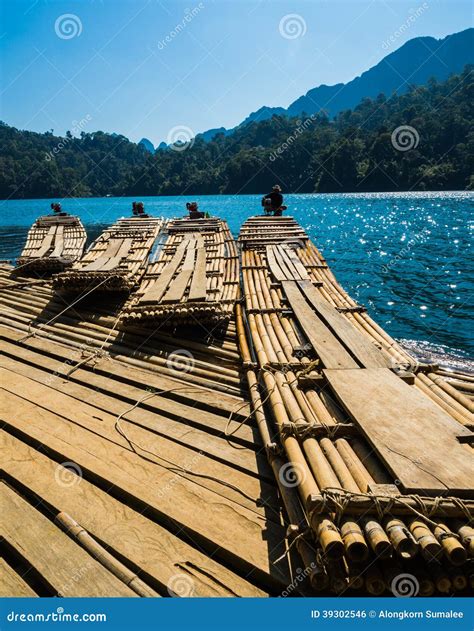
x=142, y=68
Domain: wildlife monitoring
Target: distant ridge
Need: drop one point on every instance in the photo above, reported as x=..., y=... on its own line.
x=417, y=61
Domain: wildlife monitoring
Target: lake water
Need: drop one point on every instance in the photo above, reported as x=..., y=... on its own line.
x=406, y=257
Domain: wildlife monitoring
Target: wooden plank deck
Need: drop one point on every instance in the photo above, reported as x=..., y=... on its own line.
x=410, y=433
x=194, y=277
x=54, y=242
x=117, y=259
x=163, y=486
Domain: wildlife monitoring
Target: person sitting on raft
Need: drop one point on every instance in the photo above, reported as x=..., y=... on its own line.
x=272, y=203
x=194, y=213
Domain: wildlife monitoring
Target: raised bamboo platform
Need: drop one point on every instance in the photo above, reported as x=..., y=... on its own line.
x=193, y=279
x=221, y=461
x=356, y=431
x=116, y=261
x=54, y=243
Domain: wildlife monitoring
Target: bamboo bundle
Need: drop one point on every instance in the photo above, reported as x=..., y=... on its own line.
x=352, y=506
x=193, y=278
x=54, y=243
x=116, y=260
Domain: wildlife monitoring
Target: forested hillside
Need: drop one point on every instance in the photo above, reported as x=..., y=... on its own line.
x=356, y=151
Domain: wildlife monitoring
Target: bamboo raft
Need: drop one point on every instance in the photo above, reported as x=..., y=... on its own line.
x=141, y=462
x=119, y=474
x=116, y=261
x=356, y=431
x=194, y=277
x=54, y=243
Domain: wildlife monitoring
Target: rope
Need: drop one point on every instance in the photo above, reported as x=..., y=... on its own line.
x=175, y=467
x=249, y=416
x=95, y=352
x=81, y=297
x=305, y=534
x=341, y=498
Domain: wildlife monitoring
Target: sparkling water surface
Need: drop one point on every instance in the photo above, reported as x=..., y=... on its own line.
x=406, y=256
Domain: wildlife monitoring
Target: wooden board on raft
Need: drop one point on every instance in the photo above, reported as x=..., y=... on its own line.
x=12, y=584
x=358, y=343
x=125, y=532
x=194, y=280
x=53, y=243
x=328, y=348
x=415, y=438
x=116, y=260
x=52, y=553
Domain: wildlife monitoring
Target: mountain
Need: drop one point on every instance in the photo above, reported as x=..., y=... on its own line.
x=147, y=144
x=420, y=140
x=414, y=63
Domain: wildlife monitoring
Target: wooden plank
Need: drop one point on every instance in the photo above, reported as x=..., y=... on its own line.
x=285, y=266
x=127, y=532
x=197, y=290
x=52, y=553
x=200, y=396
x=12, y=584
x=155, y=291
x=113, y=246
x=178, y=286
x=275, y=269
x=47, y=243
x=122, y=253
x=58, y=241
x=185, y=505
x=204, y=431
x=327, y=346
x=246, y=491
x=358, y=343
x=179, y=411
x=301, y=269
x=413, y=436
